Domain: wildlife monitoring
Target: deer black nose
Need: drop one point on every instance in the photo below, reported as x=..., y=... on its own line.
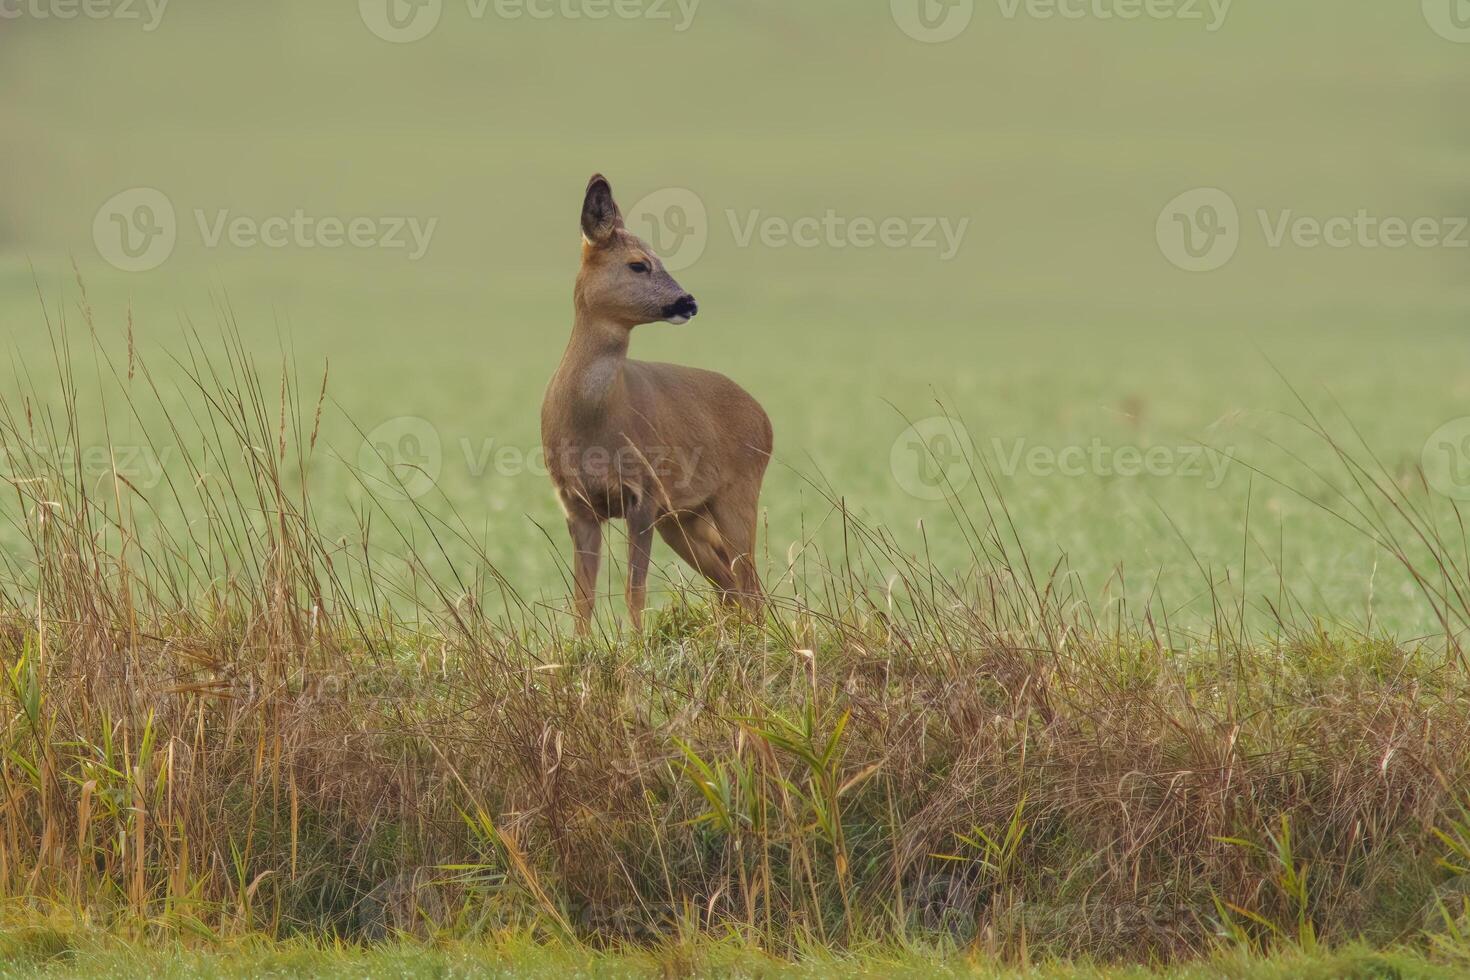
x=684, y=306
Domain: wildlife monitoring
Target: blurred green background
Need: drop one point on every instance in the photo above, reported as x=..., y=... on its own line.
x=1060, y=320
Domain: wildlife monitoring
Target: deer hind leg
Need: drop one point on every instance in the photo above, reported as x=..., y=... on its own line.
x=736, y=519
x=695, y=537
x=718, y=541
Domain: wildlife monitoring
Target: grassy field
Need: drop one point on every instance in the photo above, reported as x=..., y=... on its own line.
x=526, y=960
x=1057, y=326
x=1172, y=676
x=251, y=728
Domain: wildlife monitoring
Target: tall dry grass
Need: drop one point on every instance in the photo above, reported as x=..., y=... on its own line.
x=218, y=718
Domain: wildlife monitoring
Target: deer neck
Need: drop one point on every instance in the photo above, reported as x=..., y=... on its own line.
x=592, y=368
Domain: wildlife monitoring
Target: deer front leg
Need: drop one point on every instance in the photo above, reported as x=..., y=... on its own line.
x=641, y=520
x=586, y=560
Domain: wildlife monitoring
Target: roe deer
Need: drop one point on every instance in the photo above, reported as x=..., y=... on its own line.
x=660, y=446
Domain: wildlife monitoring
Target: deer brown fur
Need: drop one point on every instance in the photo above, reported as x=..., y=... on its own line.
x=663, y=447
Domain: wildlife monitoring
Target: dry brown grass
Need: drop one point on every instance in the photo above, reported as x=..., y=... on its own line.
x=235, y=724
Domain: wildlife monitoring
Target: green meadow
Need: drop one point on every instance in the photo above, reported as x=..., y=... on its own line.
x=1116, y=353
x=1087, y=369
x=523, y=960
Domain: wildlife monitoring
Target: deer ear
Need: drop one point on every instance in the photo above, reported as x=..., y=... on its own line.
x=600, y=214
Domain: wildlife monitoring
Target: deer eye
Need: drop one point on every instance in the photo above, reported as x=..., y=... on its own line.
x=638, y=266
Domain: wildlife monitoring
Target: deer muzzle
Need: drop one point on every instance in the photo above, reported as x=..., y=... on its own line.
x=682, y=310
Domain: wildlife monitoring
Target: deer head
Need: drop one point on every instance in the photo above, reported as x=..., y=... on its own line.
x=621, y=280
